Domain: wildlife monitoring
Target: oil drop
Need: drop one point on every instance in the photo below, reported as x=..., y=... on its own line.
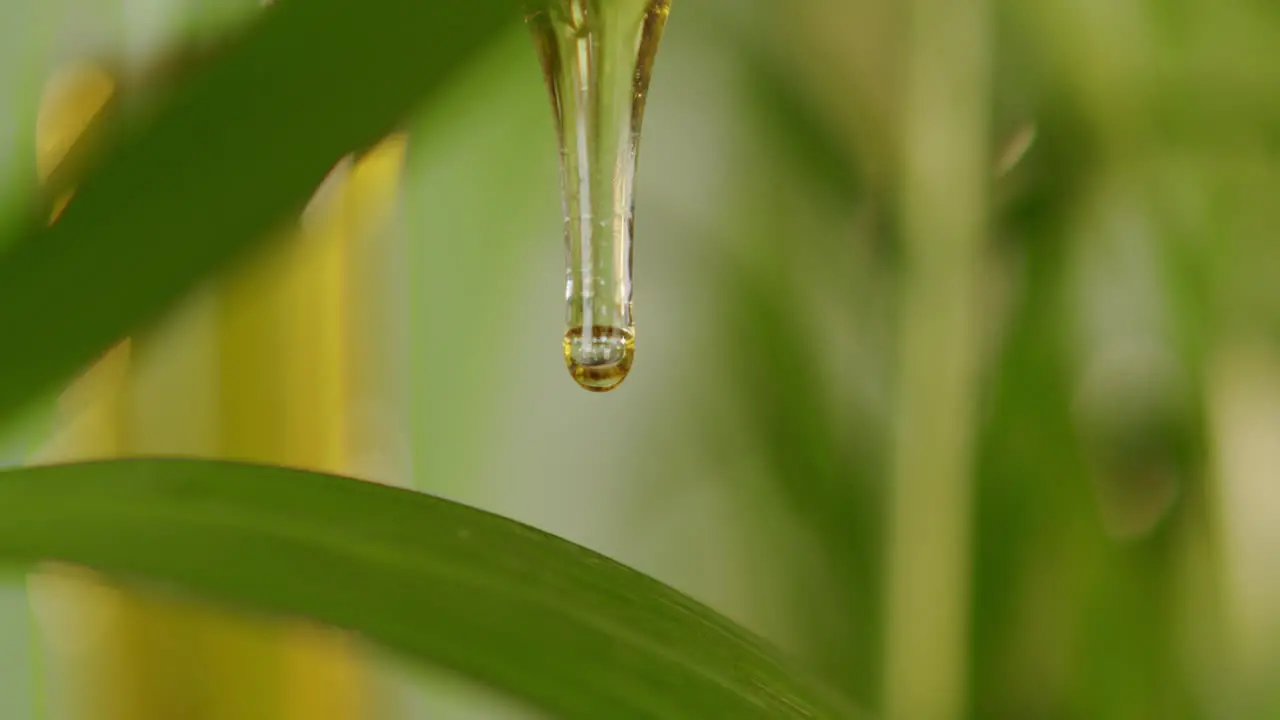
x=597, y=58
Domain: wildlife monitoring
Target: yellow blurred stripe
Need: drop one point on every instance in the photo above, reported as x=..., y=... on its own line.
x=280, y=357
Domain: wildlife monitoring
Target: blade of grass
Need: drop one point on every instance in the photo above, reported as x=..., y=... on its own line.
x=215, y=166
x=553, y=623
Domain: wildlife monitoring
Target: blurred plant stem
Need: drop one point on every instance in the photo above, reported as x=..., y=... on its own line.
x=1244, y=402
x=944, y=188
x=263, y=367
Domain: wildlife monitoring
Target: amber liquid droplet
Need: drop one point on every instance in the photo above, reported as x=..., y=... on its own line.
x=599, y=357
x=597, y=57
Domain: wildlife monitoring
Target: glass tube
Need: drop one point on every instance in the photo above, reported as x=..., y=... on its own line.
x=597, y=58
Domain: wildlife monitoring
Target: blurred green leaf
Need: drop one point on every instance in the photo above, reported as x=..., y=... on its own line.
x=827, y=475
x=1071, y=619
x=216, y=165
x=788, y=115
x=807, y=136
x=22, y=434
x=824, y=466
x=553, y=623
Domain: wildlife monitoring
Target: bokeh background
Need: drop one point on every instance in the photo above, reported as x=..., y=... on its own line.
x=1103, y=540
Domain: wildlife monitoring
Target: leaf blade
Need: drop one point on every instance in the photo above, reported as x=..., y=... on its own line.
x=225, y=158
x=553, y=623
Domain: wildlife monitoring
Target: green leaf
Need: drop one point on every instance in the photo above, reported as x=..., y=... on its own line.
x=216, y=165
x=556, y=624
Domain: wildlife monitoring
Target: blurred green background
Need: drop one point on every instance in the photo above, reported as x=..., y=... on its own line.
x=1120, y=469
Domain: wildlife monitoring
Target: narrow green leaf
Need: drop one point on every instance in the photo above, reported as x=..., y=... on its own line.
x=218, y=163
x=566, y=629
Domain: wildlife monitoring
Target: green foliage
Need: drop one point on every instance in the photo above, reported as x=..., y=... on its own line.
x=161, y=211
x=155, y=214
x=1100, y=566
x=553, y=623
